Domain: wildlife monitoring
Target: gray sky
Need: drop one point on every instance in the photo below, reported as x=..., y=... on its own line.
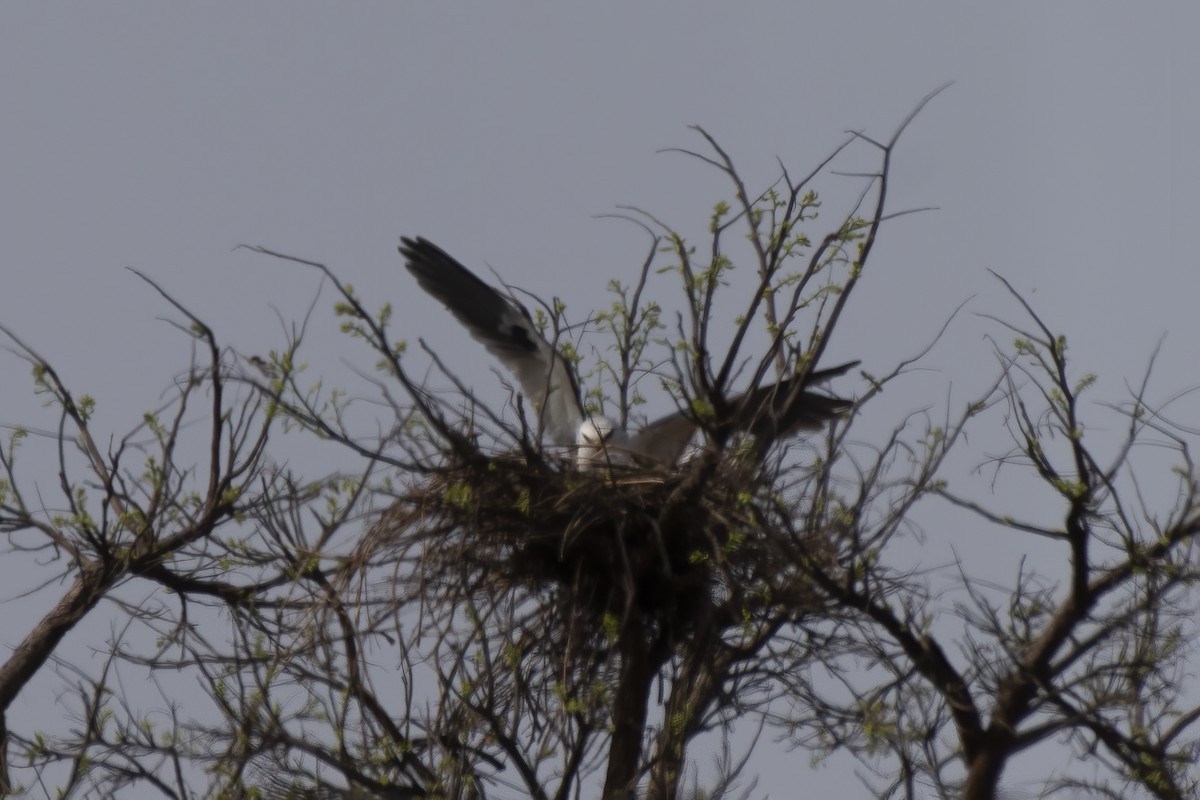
x=158, y=136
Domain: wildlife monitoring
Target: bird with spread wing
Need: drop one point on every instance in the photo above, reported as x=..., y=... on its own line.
x=507, y=330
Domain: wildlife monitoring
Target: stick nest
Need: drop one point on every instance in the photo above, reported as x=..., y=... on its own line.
x=590, y=552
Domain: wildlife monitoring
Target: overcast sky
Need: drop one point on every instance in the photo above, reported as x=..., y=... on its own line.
x=159, y=136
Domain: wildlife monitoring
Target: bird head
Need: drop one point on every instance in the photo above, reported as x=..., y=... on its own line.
x=595, y=438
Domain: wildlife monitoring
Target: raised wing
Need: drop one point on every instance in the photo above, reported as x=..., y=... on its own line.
x=664, y=440
x=769, y=412
x=507, y=331
x=779, y=410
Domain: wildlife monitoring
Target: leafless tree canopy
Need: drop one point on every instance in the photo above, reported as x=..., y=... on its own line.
x=463, y=613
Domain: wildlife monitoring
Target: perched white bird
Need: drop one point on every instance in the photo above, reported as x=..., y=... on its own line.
x=507, y=330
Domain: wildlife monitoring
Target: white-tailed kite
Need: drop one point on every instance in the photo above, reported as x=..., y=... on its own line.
x=506, y=329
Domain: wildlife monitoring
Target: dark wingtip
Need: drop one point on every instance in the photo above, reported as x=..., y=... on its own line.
x=420, y=252
x=822, y=375
x=433, y=267
x=478, y=306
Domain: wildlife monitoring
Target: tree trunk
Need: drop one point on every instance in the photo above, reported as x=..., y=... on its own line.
x=691, y=696
x=640, y=662
x=983, y=773
x=33, y=651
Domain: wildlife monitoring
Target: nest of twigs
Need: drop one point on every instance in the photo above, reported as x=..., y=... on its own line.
x=596, y=552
